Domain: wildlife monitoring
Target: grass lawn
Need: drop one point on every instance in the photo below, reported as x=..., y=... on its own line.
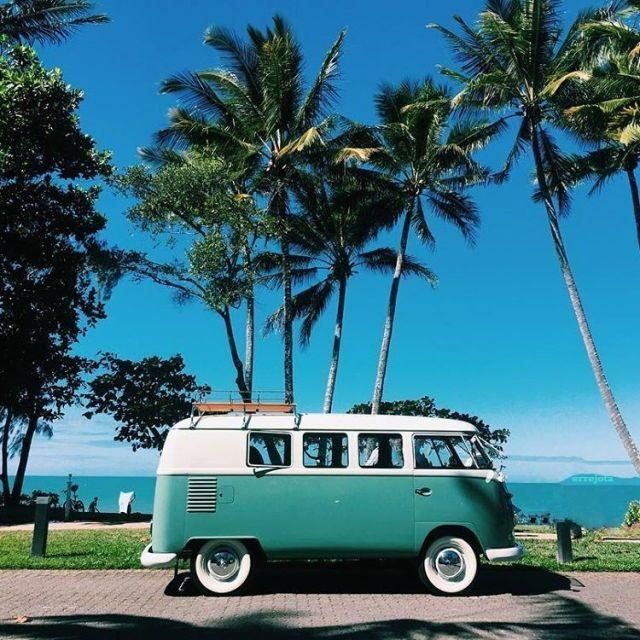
x=589, y=554
x=120, y=549
x=98, y=549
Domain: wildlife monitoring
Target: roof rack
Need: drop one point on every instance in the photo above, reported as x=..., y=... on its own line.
x=234, y=404
x=245, y=408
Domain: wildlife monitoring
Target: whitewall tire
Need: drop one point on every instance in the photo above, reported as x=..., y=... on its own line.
x=449, y=565
x=221, y=567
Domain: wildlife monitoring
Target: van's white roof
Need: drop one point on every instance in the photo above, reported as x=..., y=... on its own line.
x=325, y=421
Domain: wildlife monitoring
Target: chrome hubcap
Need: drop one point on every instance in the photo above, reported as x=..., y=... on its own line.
x=449, y=564
x=223, y=564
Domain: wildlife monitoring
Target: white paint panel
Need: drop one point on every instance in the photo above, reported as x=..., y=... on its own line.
x=224, y=452
x=328, y=421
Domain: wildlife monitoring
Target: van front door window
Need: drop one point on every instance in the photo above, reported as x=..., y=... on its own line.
x=447, y=452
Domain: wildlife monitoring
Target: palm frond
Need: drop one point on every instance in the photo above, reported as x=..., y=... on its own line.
x=457, y=209
x=384, y=260
x=198, y=96
x=241, y=58
x=474, y=135
x=310, y=304
x=522, y=139
x=419, y=222
x=558, y=170
x=159, y=156
x=323, y=92
x=46, y=21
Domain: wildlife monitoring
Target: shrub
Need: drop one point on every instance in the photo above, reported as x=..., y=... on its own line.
x=633, y=514
x=54, y=498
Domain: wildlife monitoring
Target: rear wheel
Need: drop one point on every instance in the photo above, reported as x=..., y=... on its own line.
x=221, y=567
x=449, y=565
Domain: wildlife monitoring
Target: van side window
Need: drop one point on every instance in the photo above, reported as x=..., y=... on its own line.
x=435, y=453
x=325, y=450
x=269, y=450
x=380, y=450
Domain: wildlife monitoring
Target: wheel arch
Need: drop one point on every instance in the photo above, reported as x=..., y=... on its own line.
x=458, y=530
x=252, y=544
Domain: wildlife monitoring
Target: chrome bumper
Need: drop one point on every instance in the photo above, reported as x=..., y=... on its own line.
x=505, y=553
x=151, y=560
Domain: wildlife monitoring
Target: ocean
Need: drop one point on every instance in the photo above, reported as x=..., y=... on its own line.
x=591, y=501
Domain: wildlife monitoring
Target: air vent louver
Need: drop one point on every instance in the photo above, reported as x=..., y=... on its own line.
x=202, y=494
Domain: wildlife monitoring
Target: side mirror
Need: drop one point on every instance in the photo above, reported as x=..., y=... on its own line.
x=492, y=474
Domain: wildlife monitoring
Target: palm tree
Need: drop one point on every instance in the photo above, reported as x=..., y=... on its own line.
x=429, y=160
x=45, y=21
x=605, y=110
x=515, y=60
x=259, y=108
x=337, y=220
x=616, y=153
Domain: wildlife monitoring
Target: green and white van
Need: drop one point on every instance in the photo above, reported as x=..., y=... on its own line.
x=255, y=484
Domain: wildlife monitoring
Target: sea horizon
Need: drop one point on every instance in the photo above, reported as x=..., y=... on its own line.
x=591, y=500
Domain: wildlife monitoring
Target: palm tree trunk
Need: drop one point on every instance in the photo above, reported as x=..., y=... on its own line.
x=249, y=343
x=633, y=184
x=335, y=355
x=391, y=312
x=278, y=206
x=235, y=358
x=250, y=322
x=24, y=458
x=574, y=296
x=4, y=475
x=287, y=322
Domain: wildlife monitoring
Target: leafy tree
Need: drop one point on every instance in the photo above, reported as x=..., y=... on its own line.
x=145, y=397
x=339, y=216
x=427, y=407
x=429, y=159
x=44, y=21
x=190, y=203
x=258, y=108
x=515, y=60
x=49, y=249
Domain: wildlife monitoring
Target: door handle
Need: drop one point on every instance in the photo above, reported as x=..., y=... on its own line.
x=424, y=491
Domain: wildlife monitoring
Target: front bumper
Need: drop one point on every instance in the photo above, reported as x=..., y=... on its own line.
x=151, y=560
x=505, y=553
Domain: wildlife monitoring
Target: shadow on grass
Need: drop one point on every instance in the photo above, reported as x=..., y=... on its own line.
x=363, y=577
x=559, y=618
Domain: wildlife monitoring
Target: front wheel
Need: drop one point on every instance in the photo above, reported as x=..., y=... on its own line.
x=449, y=565
x=221, y=567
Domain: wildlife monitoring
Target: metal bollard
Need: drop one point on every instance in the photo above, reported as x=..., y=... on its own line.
x=564, y=552
x=40, y=527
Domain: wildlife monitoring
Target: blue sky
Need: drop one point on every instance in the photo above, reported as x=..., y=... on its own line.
x=496, y=338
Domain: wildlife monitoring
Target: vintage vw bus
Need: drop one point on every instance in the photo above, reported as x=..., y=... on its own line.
x=238, y=484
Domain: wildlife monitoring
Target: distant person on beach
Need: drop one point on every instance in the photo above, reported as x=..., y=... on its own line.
x=93, y=506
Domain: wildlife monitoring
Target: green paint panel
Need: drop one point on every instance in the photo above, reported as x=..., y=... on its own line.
x=315, y=516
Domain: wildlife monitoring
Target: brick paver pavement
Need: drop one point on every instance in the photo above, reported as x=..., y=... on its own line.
x=320, y=601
